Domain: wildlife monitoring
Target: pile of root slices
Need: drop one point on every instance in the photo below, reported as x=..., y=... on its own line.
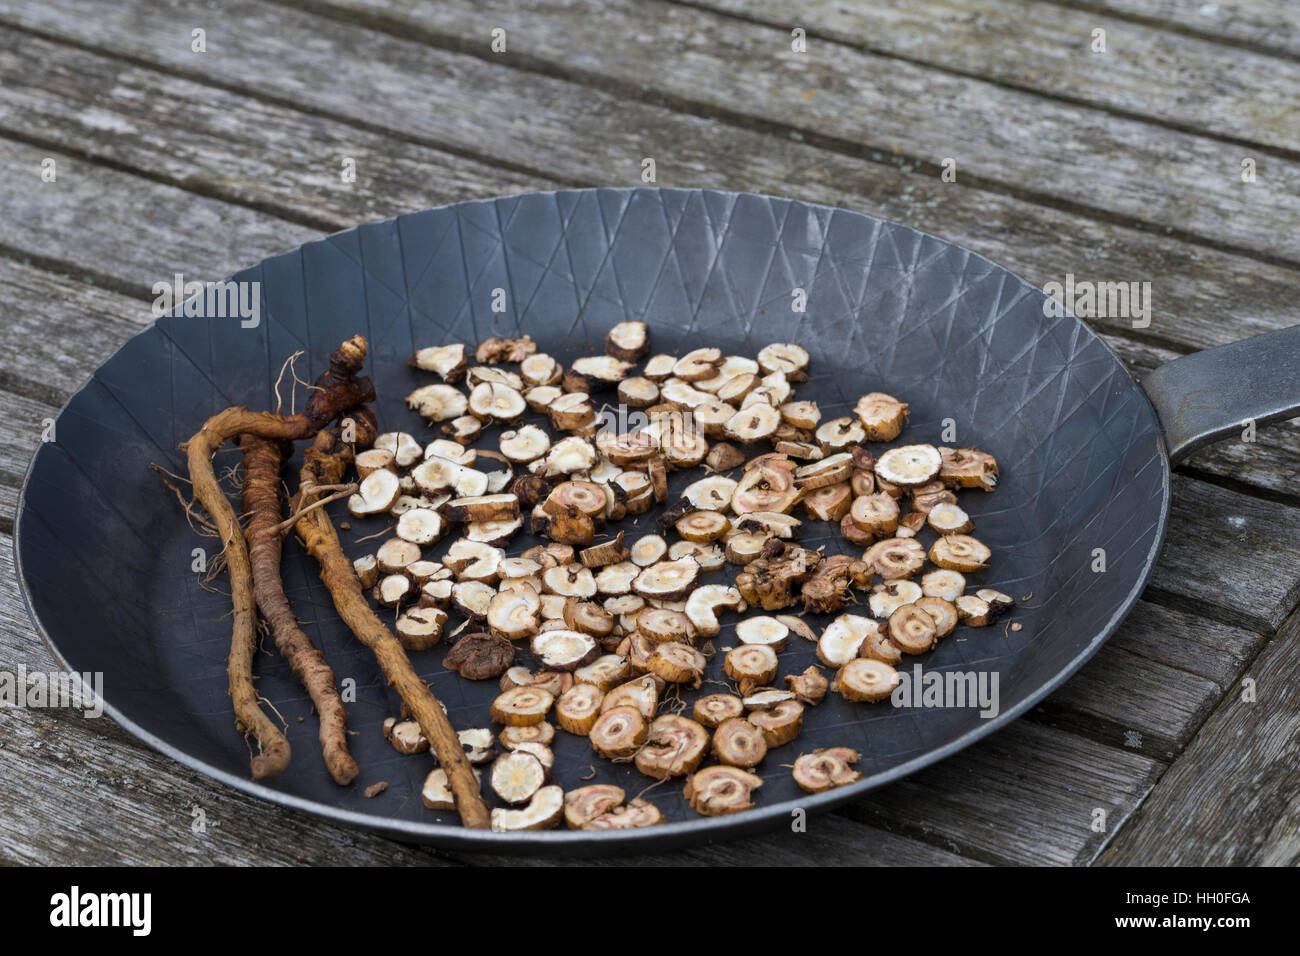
x=612, y=630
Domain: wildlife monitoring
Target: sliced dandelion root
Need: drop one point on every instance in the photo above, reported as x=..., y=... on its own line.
x=324, y=463
x=337, y=392
x=715, y=791
x=263, y=461
x=824, y=769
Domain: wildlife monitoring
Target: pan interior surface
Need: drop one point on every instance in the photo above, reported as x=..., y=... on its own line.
x=108, y=561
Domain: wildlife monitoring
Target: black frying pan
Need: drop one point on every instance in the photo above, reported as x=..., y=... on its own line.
x=105, y=556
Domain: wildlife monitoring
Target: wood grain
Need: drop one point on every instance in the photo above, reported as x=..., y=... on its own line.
x=1272, y=25
x=1233, y=798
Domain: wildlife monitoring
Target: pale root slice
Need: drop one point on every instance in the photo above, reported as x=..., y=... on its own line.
x=394, y=590
x=403, y=447
x=667, y=580
x=802, y=414
x=516, y=776
x=786, y=358
x=755, y=423
x=570, y=581
x=437, y=593
x=715, y=791
x=627, y=450
x=838, y=434
x=780, y=723
x=703, y=526
x=524, y=445
x=500, y=349
x=682, y=447
x=405, y=736
x=926, y=496
x=698, y=364
x=557, y=682
x=704, y=603
x=512, y=737
x=553, y=606
x=563, y=649
x=477, y=742
x=751, y=665
x=367, y=569
x=503, y=506
x=943, y=583
x=674, y=747
x=831, y=470
x=578, y=708
x=438, y=403
x=638, y=812
x=876, y=513
x=437, y=474
x=495, y=533
x=865, y=679
x=713, y=709
x=618, y=733
x=909, y=465
x=998, y=602
x=677, y=663
x=968, y=468
x=405, y=503
x=910, y=524
x=662, y=624
x=522, y=706
x=543, y=812
x=420, y=526
x=830, y=503
x=567, y=457
x=889, y=596
x=615, y=580
x=374, y=459
x=606, y=672
x=638, y=491
x=659, y=367
x=825, y=769
x=376, y=494
x=973, y=611
x=473, y=598
x=585, y=804
x=710, y=494
x=447, y=361
x=436, y=793
x=570, y=411
x=588, y=617
x=641, y=693
x=513, y=612
x=463, y=430
x=541, y=397
x=637, y=648
x=768, y=486
x=960, y=552
x=731, y=368
x=744, y=546
x=773, y=523
x=943, y=613
x=799, y=626
x=895, y=557
x=882, y=416
x=764, y=630
x=912, y=630
x=809, y=687
x=682, y=395
x=738, y=743
x=724, y=456
x=540, y=369
x=712, y=417
x=394, y=555
x=595, y=373
x=843, y=638
x=625, y=607
x=452, y=451
x=420, y=628
x=628, y=341
x=474, y=561
x=486, y=375
x=648, y=550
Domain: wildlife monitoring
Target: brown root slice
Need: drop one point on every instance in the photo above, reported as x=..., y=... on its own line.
x=337, y=391
x=263, y=461
x=323, y=464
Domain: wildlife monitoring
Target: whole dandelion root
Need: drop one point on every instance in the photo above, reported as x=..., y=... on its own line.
x=337, y=392
x=263, y=461
x=324, y=464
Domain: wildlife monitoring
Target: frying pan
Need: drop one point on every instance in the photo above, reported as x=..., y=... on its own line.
x=105, y=556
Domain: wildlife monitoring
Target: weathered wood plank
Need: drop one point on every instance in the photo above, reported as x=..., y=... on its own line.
x=1201, y=297
x=1048, y=49
x=1213, y=531
x=22, y=422
x=202, y=238
x=1261, y=24
x=223, y=144
x=1233, y=798
x=861, y=102
x=1028, y=794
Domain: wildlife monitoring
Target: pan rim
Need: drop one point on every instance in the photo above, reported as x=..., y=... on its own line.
x=667, y=835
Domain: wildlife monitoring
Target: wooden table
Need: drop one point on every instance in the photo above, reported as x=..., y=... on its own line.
x=1176, y=744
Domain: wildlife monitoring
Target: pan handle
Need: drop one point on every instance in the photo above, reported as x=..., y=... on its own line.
x=1209, y=395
